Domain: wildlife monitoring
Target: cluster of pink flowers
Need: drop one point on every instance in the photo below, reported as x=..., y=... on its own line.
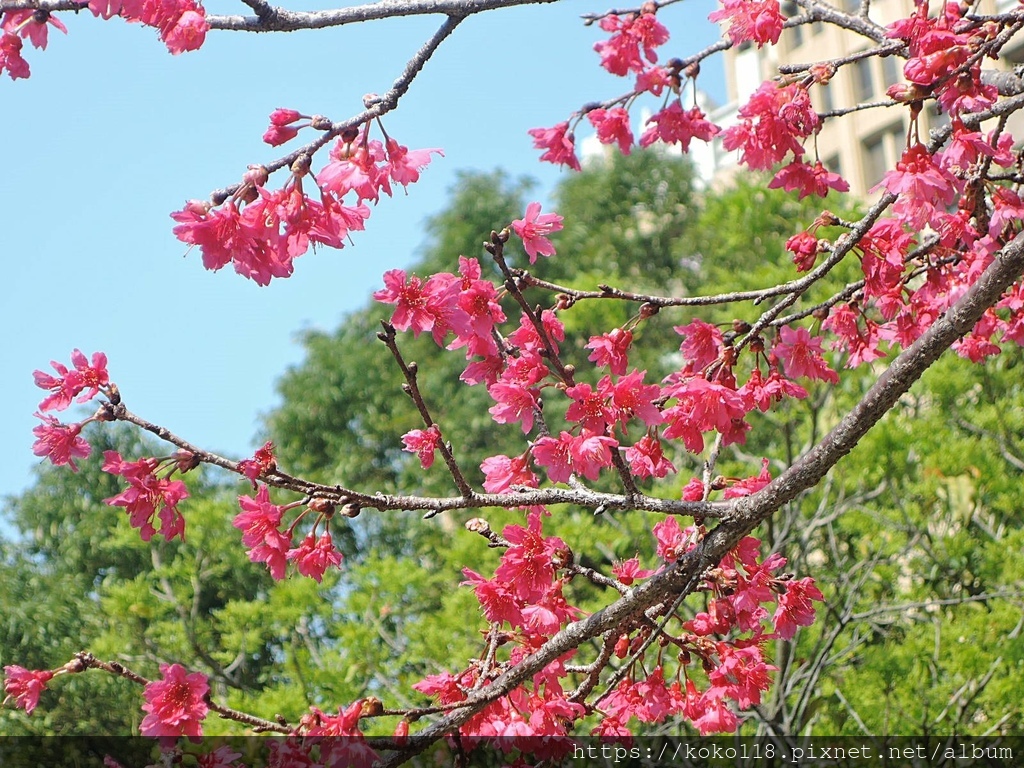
x=151, y=492
x=941, y=60
x=728, y=640
x=181, y=25
x=261, y=231
x=25, y=24
x=25, y=686
x=701, y=397
x=260, y=522
x=751, y=21
x=63, y=443
x=774, y=123
x=630, y=50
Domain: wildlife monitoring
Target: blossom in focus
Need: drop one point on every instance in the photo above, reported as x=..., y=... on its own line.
x=534, y=228
x=260, y=522
x=423, y=443
x=176, y=704
x=147, y=495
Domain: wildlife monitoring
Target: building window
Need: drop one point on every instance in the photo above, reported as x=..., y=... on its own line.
x=863, y=83
x=796, y=34
x=833, y=164
x=881, y=151
x=890, y=70
x=826, y=98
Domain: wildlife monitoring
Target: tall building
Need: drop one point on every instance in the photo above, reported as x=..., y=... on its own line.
x=861, y=146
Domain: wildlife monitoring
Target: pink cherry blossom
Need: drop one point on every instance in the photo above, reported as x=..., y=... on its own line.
x=806, y=179
x=315, y=555
x=610, y=349
x=60, y=443
x=263, y=461
x=528, y=339
x=86, y=377
x=419, y=305
x=555, y=455
x=534, y=228
x=795, y=608
x=515, y=402
x=423, y=442
x=646, y=459
x=32, y=25
x=188, y=32
x=804, y=247
x=260, y=523
x=756, y=21
x=702, y=344
x=591, y=453
x=147, y=495
x=612, y=126
x=701, y=406
x=558, y=143
x=501, y=473
x=801, y=355
x=631, y=46
x=25, y=686
x=673, y=541
x=499, y=602
x=922, y=187
x=773, y=123
x=763, y=392
x=750, y=485
x=589, y=407
x=629, y=571
x=405, y=165
x=675, y=125
x=176, y=704
x=693, y=490
x=529, y=564
x=630, y=398
x=10, y=57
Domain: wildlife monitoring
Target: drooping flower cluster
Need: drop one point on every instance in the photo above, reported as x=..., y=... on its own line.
x=631, y=50
x=181, y=25
x=25, y=686
x=260, y=522
x=751, y=21
x=63, y=443
x=943, y=58
x=774, y=123
x=261, y=231
x=150, y=492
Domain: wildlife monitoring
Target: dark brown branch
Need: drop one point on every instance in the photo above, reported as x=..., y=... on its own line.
x=410, y=372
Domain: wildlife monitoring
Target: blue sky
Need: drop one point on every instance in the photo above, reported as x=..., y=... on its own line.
x=111, y=134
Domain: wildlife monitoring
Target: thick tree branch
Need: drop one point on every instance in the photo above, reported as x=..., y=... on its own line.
x=748, y=512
